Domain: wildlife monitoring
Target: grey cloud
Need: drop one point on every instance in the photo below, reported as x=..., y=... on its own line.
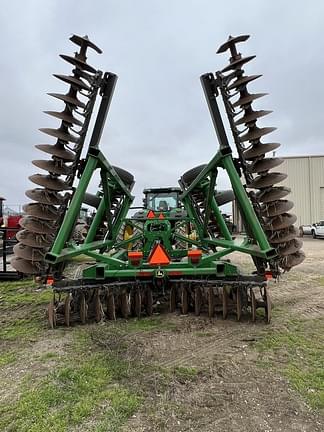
x=159, y=125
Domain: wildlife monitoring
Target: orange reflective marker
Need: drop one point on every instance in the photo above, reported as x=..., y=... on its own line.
x=49, y=280
x=150, y=215
x=268, y=275
x=194, y=255
x=159, y=256
x=135, y=257
x=161, y=216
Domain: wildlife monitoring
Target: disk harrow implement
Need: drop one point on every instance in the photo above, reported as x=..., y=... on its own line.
x=173, y=254
x=81, y=302
x=270, y=203
x=54, y=190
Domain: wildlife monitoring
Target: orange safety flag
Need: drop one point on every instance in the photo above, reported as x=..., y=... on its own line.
x=158, y=256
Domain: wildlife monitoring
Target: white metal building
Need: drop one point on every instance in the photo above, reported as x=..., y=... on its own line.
x=306, y=180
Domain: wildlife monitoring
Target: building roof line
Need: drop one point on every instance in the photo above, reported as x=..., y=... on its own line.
x=302, y=156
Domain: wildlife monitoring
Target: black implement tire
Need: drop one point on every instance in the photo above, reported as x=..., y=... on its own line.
x=91, y=200
x=124, y=175
x=314, y=234
x=189, y=176
x=94, y=201
x=224, y=197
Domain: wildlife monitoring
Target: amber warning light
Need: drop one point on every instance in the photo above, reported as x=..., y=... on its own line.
x=49, y=280
x=268, y=275
x=194, y=255
x=135, y=257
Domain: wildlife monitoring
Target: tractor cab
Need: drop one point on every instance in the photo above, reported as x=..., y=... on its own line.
x=162, y=199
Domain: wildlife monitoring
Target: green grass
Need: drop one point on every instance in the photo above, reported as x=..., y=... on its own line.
x=48, y=356
x=20, y=308
x=23, y=292
x=95, y=382
x=7, y=358
x=185, y=373
x=122, y=405
x=202, y=334
x=91, y=387
x=22, y=329
x=86, y=383
x=298, y=353
x=22, y=316
x=69, y=395
x=154, y=323
x=321, y=281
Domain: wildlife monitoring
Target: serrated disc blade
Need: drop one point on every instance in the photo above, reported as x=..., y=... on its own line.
x=274, y=194
x=236, y=64
x=84, y=40
x=256, y=133
x=37, y=225
x=68, y=99
x=243, y=81
x=291, y=247
x=41, y=211
x=26, y=267
x=78, y=63
x=86, y=76
x=60, y=134
x=49, y=182
x=246, y=99
x=292, y=260
x=232, y=40
x=28, y=253
x=276, y=208
x=45, y=196
x=57, y=150
x=259, y=149
x=52, y=166
x=284, y=236
x=64, y=116
x=265, y=165
x=267, y=180
x=33, y=239
x=251, y=117
x=281, y=222
x=70, y=79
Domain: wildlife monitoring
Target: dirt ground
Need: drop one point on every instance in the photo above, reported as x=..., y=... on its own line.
x=234, y=387
x=237, y=395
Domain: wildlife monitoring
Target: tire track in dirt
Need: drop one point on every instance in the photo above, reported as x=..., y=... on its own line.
x=225, y=340
x=232, y=393
x=302, y=299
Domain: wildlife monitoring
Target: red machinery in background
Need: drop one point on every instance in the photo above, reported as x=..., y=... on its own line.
x=10, y=222
x=9, y=226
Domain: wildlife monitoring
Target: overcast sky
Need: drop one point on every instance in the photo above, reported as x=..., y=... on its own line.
x=158, y=124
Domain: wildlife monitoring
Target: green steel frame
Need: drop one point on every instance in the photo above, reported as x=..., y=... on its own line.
x=111, y=253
